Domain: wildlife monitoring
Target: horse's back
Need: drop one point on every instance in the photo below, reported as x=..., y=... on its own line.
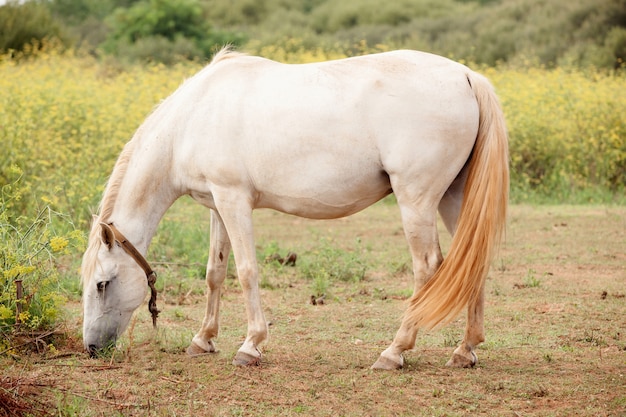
x=328, y=136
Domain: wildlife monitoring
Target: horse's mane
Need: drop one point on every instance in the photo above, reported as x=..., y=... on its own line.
x=225, y=53
x=105, y=210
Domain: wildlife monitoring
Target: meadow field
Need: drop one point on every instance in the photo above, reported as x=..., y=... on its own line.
x=555, y=346
x=556, y=341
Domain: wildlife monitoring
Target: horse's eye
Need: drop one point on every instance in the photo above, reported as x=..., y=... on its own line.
x=102, y=285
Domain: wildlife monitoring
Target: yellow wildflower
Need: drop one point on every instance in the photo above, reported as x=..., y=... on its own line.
x=58, y=243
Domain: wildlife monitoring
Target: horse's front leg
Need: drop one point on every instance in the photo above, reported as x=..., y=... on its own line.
x=217, y=265
x=237, y=216
x=464, y=355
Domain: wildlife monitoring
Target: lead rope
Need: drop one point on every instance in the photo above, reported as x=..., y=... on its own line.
x=152, y=306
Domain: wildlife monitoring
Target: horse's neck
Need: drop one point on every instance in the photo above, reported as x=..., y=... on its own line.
x=143, y=198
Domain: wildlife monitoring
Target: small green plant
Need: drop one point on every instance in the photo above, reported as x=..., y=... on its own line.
x=438, y=392
x=593, y=338
x=450, y=339
x=321, y=282
x=531, y=280
x=31, y=291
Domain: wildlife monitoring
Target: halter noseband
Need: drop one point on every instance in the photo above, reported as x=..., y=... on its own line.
x=141, y=261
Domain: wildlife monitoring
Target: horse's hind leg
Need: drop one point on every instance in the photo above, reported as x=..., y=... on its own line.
x=464, y=356
x=420, y=227
x=450, y=208
x=215, y=273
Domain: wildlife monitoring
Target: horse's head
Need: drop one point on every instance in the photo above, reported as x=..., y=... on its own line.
x=114, y=286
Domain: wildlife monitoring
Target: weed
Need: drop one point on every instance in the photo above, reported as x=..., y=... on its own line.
x=450, y=339
x=531, y=280
x=591, y=337
x=31, y=296
x=266, y=283
x=321, y=282
x=438, y=392
x=539, y=391
x=496, y=290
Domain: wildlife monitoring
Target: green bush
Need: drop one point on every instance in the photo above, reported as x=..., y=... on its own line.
x=29, y=249
x=551, y=33
x=334, y=16
x=238, y=12
x=26, y=23
x=158, y=49
x=162, y=30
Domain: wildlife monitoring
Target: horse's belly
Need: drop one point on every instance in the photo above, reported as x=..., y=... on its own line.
x=316, y=196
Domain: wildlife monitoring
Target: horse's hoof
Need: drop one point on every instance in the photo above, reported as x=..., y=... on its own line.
x=245, y=359
x=461, y=361
x=386, y=364
x=195, y=350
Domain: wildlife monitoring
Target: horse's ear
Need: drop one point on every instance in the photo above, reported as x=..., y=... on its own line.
x=107, y=235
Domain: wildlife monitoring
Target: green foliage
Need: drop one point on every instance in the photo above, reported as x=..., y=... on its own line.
x=326, y=264
x=579, y=32
x=76, y=11
x=164, y=30
x=567, y=133
x=550, y=33
x=334, y=16
x=238, y=12
x=26, y=23
x=84, y=19
x=29, y=248
x=168, y=19
x=615, y=44
x=531, y=280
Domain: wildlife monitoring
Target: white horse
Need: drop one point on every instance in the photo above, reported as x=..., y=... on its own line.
x=322, y=141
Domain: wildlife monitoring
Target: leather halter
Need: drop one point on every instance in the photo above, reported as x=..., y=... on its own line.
x=151, y=276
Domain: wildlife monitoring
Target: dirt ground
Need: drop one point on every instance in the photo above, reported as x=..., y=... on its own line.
x=555, y=322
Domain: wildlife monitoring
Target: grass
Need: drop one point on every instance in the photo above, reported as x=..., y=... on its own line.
x=557, y=348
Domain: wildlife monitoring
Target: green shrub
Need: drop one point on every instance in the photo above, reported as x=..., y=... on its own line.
x=29, y=249
x=567, y=133
x=163, y=30
x=26, y=23
x=158, y=49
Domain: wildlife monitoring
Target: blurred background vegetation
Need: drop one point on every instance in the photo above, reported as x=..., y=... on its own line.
x=541, y=32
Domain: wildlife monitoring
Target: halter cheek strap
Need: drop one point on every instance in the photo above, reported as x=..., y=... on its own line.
x=141, y=261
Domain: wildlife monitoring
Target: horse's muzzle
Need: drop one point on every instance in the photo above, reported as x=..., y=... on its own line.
x=93, y=351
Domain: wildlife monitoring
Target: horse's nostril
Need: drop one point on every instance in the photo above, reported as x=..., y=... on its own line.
x=93, y=350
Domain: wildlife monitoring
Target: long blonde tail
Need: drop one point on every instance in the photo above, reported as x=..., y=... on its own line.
x=481, y=224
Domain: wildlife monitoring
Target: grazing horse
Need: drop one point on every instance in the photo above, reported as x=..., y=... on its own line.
x=321, y=141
